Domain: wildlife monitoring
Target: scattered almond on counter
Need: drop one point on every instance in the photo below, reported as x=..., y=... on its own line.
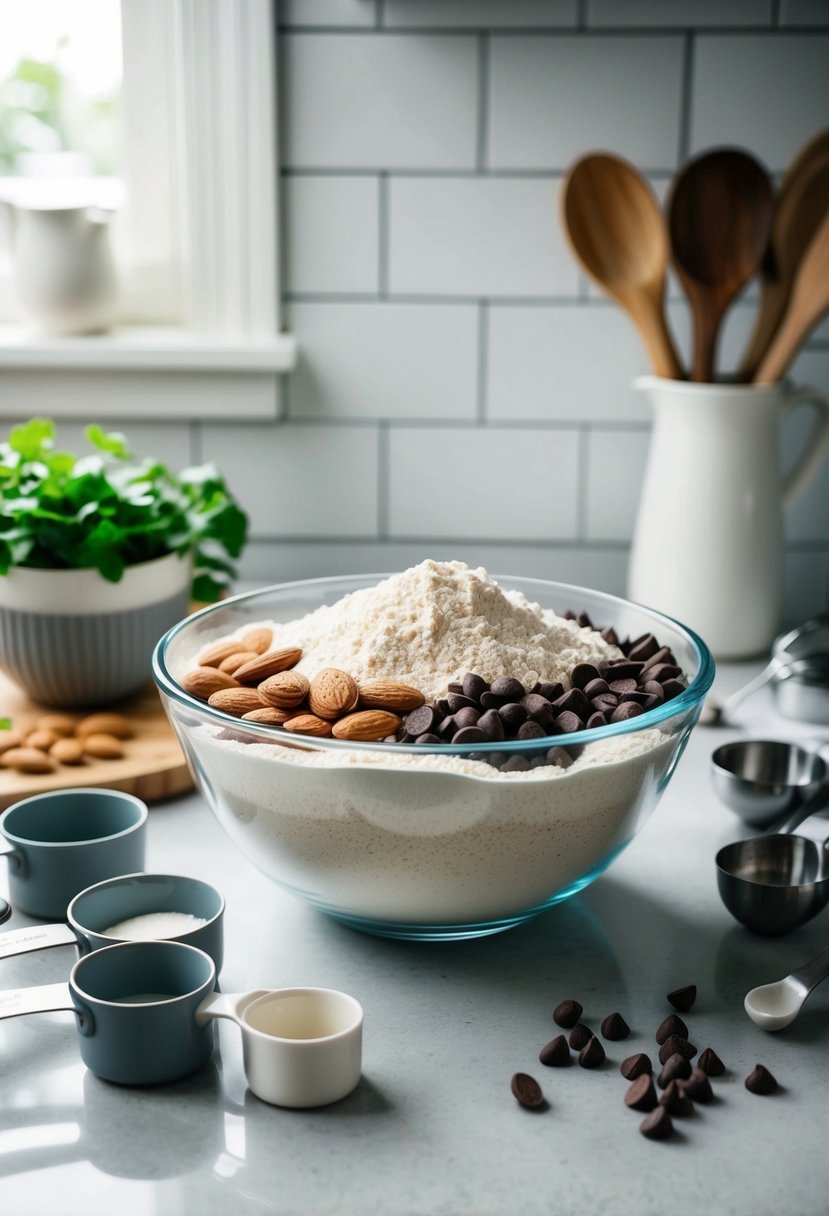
x=105, y=724
x=42, y=739
x=27, y=760
x=61, y=724
x=67, y=751
x=103, y=746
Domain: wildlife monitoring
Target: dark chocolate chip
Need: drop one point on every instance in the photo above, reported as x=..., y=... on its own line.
x=614, y=1027
x=515, y=764
x=562, y=759
x=426, y=737
x=527, y=1091
x=495, y=759
x=675, y=1100
x=458, y=701
x=569, y=615
x=539, y=762
x=676, y=1045
x=530, y=730
x=513, y=715
x=621, y=669
x=672, y=1024
x=490, y=723
x=574, y=702
x=506, y=686
x=556, y=1053
x=672, y=688
x=568, y=723
x=447, y=727
x=657, y=1125
x=468, y=716
x=454, y=686
x=610, y=636
x=443, y=706
x=677, y=1068
x=551, y=691
x=634, y=1066
x=641, y=1094
x=469, y=734
x=490, y=701
x=419, y=721
x=698, y=1087
x=663, y=672
x=663, y=655
x=584, y=620
x=473, y=686
x=567, y=1013
x=620, y=686
x=596, y=687
x=683, y=998
x=580, y=1036
x=629, y=709
x=595, y=721
x=537, y=707
x=711, y=1063
x=760, y=1081
x=654, y=689
x=644, y=648
x=592, y=1054
x=582, y=674
x=638, y=698
x=605, y=703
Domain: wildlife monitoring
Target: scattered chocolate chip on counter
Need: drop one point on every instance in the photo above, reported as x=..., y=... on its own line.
x=698, y=1087
x=672, y=1024
x=641, y=1094
x=614, y=1027
x=527, y=1091
x=677, y=1068
x=710, y=1063
x=760, y=1081
x=676, y=1046
x=657, y=1125
x=634, y=1066
x=556, y=1053
x=580, y=1036
x=592, y=1054
x=683, y=999
x=675, y=1099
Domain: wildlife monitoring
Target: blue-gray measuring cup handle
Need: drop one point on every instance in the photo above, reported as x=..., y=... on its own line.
x=46, y=998
x=17, y=862
x=38, y=937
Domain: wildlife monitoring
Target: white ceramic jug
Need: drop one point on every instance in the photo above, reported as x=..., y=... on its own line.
x=708, y=543
x=64, y=276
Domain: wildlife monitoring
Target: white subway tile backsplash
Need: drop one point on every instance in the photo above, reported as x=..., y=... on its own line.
x=363, y=101
x=564, y=362
x=615, y=468
x=629, y=13
x=767, y=92
x=481, y=236
x=808, y=517
x=327, y=12
x=804, y=12
x=554, y=98
x=300, y=480
x=506, y=483
x=480, y=14
x=385, y=360
x=332, y=234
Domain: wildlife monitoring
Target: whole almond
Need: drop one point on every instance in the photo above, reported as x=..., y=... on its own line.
x=61, y=724
x=27, y=760
x=332, y=692
x=42, y=739
x=257, y=640
x=234, y=661
x=367, y=726
x=308, y=724
x=103, y=746
x=236, y=701
x=285, y=690
x=389, y=694
x=204, y=681
x=10, y=739
x=105, y=724
x=269, y=716
x=268, y=664
x=216, y=652
x=67, y=751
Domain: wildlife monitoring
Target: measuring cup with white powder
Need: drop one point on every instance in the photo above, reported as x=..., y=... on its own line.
x=132, y=907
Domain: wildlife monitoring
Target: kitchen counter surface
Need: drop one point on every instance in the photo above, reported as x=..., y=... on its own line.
x=433, y=1128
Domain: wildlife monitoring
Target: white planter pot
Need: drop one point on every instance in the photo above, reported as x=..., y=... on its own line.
x=72, y=639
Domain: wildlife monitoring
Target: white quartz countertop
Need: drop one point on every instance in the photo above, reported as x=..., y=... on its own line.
x=432, y=1127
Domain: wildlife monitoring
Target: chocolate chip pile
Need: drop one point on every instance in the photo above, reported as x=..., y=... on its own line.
x=682, y=1084
x=475, y=711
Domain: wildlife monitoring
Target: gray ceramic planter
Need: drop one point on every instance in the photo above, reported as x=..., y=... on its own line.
x=74, y=640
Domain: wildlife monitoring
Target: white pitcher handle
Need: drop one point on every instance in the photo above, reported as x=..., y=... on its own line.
x=805, y=468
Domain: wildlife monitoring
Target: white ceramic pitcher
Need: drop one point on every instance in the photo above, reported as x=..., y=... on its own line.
x=64, y=276
x=708, y=543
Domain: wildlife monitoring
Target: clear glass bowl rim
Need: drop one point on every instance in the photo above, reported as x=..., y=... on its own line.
x=689, y=699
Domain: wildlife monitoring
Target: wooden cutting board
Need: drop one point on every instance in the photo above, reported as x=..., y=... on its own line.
x=153, y=767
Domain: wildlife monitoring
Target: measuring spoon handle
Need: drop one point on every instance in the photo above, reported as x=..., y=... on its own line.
x=40, y=937
x=811, y=973
x=818, y=801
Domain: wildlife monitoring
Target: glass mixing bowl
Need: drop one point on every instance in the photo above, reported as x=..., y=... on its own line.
x=391, y=839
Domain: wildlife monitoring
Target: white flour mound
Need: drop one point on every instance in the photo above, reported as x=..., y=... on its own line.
x=434, y=622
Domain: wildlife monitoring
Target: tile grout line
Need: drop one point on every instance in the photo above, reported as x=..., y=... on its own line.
x=687, y=95
x=482, y=387
x=195, y=440
x=582, y=478
x=776, y=6
x=581, y=15
x=482, y=141
x=383, y=236
x=383, y=481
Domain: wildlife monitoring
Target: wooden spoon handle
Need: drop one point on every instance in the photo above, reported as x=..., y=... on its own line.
x=785, y=345
x=649, y=318
x=772, y=304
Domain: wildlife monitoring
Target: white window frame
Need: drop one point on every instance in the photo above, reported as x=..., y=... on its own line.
x=202, y=289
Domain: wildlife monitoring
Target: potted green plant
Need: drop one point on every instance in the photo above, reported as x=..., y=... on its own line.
x=99, y=555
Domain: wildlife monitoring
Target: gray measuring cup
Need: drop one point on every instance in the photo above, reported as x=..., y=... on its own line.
x=145, y=1013
x=773, y=883
x=118, y=899
x=763, y=779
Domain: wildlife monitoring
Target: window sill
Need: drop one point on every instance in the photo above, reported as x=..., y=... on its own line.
x=165, y=375
x=144, y=349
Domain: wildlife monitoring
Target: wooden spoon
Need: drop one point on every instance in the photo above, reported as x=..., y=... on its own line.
x=801, y=205
x=719, y=216
x=808, y=301
x=617, y=233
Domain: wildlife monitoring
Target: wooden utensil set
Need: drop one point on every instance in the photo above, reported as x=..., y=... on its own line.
x=723, y=225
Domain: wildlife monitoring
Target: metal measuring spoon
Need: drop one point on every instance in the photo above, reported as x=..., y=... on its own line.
x=775, y=1006
x=772, y=884
x=762, y=779
x=5, y=911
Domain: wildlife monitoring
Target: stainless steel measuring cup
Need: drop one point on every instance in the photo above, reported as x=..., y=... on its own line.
x=763, y=779
x=773, y=883
x=107, y=904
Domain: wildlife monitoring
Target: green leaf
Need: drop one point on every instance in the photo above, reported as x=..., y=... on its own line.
x=33, y=438
x=111, y=442
x=5, y=723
